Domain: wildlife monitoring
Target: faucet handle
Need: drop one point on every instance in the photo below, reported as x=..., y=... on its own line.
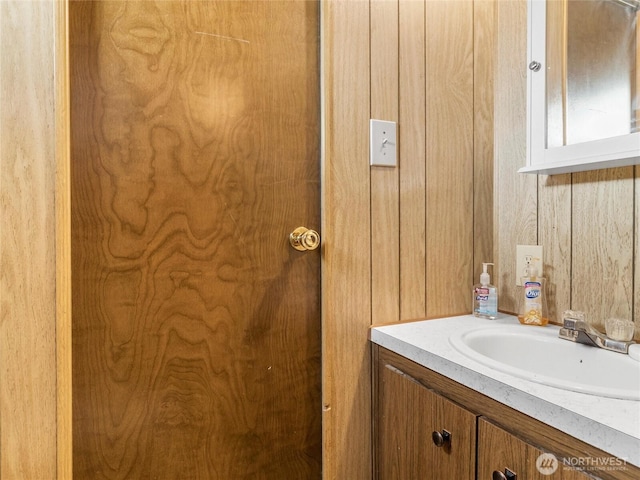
x=574, y=320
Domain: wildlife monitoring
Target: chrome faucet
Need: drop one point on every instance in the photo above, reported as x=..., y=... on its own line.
x=579, y=331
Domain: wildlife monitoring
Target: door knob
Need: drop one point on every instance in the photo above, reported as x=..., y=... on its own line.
x=304, y=239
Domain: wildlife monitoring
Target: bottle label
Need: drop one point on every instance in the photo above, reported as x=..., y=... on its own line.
x=485, y=302
x=532, y=291
x=481, y=294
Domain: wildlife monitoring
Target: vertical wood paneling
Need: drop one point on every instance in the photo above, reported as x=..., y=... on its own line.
x=515, y=194
x=27, y=241
x=602, y=248
x=385, y=260
x=483, y=98
x=63, y=250
x=555, y=237
x=346, y=278
x=412, y=160
x=449, y=156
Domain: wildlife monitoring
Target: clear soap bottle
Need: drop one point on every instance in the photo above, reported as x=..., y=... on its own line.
x=485, y=296
x=534, y=309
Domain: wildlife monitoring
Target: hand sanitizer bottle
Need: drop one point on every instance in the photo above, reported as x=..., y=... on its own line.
x=485, y=296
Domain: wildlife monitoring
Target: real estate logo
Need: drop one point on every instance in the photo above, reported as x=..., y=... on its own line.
x=547, y=464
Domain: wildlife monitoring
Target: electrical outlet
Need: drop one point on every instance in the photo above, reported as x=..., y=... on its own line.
x=531, y=254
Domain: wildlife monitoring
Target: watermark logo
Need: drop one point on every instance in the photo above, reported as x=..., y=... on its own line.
x=547, y=464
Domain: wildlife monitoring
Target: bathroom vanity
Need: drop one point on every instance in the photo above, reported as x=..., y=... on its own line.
x=442, y=414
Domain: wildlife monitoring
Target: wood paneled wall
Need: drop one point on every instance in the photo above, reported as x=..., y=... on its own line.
x=399, y=243
x=587, y=222
x=27, y=241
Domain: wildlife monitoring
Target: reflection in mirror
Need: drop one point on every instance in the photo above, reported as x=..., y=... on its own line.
x=593, y=76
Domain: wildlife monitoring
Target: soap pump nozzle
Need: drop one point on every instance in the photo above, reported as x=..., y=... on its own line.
x=485, y=279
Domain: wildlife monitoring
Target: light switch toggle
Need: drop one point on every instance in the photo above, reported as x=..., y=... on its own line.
x=382, y=145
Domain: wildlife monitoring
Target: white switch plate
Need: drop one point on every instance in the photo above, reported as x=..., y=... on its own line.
x=382, y=144
x=534, y=252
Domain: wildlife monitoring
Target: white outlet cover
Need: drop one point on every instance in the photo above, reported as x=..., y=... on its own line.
x=382, y=144
x=522, y=251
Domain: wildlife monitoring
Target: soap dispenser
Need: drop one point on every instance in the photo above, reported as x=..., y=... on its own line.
x=485, y=296
x=534, y=310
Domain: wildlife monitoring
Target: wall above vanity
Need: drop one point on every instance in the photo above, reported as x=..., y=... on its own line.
x=583, y=85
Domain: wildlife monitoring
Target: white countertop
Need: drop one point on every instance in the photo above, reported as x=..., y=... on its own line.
x=610, y=424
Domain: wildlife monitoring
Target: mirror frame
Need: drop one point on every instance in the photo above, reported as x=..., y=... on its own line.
x=604, y=153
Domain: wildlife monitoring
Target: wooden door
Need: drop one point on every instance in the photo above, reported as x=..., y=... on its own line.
x=407, y=416
x=195, y=152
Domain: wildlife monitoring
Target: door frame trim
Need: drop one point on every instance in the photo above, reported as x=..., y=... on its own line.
x=64, y=402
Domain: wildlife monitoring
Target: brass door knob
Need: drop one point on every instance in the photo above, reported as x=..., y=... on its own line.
x=303, y=239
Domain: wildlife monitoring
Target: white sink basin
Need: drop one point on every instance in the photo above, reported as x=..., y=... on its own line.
x=538, y=355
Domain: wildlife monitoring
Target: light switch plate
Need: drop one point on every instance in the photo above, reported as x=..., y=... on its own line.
x=524, y=252
x=382, y=145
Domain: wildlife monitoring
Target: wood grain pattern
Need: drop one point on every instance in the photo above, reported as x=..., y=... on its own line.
x=407, y=415
x=385, y=254
x=554, y=197
x=483, y=136
x=602, y=244
x=412, y=146
x=346, y=276
x=449, y=156
x=196, y=337
x=501, y=450
x=64, y=320
x=27, y=241
x=516, y=199
x=515, y=423
x=586, y=222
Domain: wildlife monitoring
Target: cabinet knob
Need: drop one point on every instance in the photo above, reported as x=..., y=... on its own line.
x=441, y=439
x=507, y=475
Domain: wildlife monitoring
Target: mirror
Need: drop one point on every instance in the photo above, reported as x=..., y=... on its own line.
x=584, y=85
x=592, y=86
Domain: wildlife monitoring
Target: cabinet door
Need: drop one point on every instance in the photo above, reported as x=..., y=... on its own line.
x=500, y=451
x=408, y=414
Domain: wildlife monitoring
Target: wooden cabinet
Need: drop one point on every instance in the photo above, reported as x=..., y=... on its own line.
x=500, y=452
x=421, y=434
x=414, y=406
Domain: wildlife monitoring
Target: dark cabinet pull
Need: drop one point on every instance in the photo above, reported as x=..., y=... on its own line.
x=507, y=475
x=441, y=439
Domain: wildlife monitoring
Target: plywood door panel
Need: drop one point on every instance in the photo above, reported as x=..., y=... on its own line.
x=196, y=340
